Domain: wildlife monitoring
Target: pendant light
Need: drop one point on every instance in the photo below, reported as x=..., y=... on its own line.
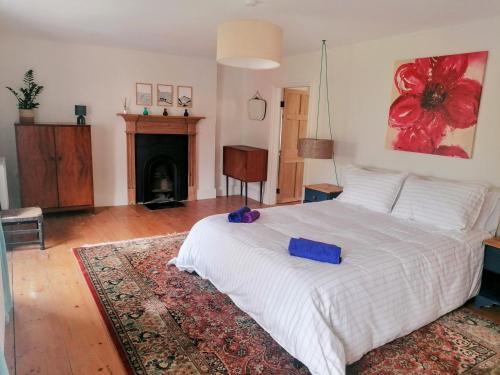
x=249, y=44
x=314, y=148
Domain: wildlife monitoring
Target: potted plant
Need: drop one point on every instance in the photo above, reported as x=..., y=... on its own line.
x=26, y=98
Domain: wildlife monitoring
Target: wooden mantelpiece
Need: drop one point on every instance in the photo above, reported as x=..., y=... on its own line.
x=153, y=124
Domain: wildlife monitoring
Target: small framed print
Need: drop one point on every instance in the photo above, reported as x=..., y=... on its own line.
x=185, y=96
x=144, y=94
x=164, y=95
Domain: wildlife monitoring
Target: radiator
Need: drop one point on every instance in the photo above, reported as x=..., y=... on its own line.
x=4, y=192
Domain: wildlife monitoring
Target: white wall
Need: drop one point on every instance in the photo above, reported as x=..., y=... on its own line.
x=371, y=71
x=235, y=88
x=100, y=77
x=360, y=78
x=231, y=108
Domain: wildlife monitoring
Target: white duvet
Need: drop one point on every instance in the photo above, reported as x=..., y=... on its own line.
x=395, y=277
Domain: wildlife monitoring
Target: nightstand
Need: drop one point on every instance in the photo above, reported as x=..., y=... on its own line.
x=490, y=285
x=321, y=192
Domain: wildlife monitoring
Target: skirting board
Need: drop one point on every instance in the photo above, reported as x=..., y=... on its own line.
x=253, y=191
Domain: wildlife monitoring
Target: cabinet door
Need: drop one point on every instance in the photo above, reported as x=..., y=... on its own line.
x=256, y=166
x=234, y=163
x=74, y=165
x=37, y=166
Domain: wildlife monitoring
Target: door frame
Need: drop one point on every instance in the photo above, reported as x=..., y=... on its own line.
x=274, y=135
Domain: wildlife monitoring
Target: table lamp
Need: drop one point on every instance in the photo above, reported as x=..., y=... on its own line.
x=81, y=112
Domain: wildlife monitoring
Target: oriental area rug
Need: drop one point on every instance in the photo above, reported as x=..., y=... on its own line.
x=164, y=321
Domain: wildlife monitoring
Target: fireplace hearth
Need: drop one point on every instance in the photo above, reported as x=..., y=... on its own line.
x=161, y=168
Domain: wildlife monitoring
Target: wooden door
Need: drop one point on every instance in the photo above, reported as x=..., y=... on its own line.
x=74, y=165
x=37, y=165
x=293, y=127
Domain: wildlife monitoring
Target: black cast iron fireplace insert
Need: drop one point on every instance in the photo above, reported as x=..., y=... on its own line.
x=161, y=169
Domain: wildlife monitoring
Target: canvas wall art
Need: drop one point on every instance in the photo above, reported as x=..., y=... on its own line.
x=435, y=104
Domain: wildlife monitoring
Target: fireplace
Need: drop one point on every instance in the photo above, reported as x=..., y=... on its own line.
x=161, y=168
x=165, y=169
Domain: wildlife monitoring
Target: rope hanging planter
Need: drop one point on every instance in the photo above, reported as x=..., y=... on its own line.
x=315, y=148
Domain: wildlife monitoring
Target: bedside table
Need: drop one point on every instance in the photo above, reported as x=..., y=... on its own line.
x=321, y=192
x=490, y=285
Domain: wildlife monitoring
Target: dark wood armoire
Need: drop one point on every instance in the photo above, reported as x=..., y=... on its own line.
x=55, y=166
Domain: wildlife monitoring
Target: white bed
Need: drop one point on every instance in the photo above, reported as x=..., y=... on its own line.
x=395, y=276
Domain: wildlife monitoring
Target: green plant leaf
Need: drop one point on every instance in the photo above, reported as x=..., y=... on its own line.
x=28, y=93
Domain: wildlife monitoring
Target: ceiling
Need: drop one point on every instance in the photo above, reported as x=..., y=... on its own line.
x=188, y=27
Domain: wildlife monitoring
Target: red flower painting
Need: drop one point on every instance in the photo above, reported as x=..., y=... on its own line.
x=436, y=104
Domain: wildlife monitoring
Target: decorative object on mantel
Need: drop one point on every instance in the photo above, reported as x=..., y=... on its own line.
x=186, y=113
x=26, y=102
x=257, y=107
x=158, y=124
x=164, y=95
x=249, y=44
x=165, y=112
x=124, y=105
x=81, y=112
x=436, y=104
x=315, y=148
x=185, y=96
x=145, y=112
x=144, y=94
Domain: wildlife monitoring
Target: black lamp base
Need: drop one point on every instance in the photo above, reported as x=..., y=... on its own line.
x=80, y=120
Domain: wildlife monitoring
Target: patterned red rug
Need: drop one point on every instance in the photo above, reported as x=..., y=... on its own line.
x=166, y=321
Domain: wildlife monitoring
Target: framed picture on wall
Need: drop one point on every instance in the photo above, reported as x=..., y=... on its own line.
x=435, y=104
x=184, y=96
x=144, y=94
x=164, y=95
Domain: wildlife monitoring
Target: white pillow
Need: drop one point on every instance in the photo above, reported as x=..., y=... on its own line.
x=445, y=204
x=489, y=216
x=373, y=189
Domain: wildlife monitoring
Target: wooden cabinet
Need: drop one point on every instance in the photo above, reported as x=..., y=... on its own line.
x=55, y=166
x=245, y=163
x=490, y=285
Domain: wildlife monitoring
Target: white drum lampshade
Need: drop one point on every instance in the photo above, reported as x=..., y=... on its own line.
x=249, y=44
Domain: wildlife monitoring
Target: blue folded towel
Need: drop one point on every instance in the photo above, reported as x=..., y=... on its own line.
x=237, y=216
x=320, y=251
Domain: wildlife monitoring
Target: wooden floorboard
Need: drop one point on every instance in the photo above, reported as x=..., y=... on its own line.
x=57, y=327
